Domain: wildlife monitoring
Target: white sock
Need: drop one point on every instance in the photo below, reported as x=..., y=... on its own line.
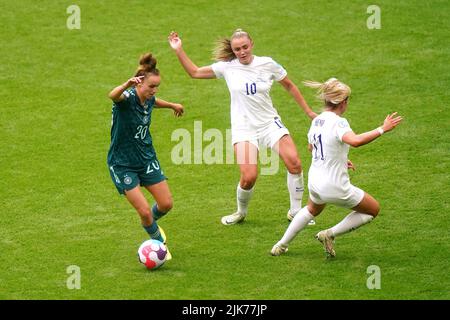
x=299, y=222
x=243, y=198
x=351, y=222
x=295, y=187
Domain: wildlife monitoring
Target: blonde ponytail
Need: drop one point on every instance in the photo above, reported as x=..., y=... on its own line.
x=332, y=91
x=223, y=50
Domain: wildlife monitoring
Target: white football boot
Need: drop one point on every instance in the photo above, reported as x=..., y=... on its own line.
x=278, y=250
x=327, y=240
x=233, y=218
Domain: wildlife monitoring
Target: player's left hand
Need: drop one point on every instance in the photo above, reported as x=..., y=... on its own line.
x=391, y=121
x=178, y=109
x=350, y=165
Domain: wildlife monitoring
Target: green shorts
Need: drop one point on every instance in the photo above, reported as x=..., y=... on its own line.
x=126, y=178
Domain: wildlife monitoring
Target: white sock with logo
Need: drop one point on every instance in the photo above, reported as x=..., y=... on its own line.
x=243, y=198
x=351, y=222
x=299, y=222
x=296, y=188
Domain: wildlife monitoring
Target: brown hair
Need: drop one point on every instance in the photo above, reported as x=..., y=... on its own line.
x=332, y=91
x=147, y=65
x=223, y=50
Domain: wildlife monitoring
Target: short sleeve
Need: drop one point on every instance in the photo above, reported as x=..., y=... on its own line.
x=219, y=69
x=278, y=72
x=126, y=101
x=342, y=127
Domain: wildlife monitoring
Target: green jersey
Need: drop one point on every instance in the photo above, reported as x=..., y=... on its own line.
x=131, y=142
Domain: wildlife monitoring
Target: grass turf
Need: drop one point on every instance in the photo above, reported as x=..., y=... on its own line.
x=59, y=207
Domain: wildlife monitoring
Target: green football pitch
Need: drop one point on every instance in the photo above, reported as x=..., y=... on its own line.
x=59, y=207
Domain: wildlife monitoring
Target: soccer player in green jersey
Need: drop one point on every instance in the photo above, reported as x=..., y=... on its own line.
x=132, y=159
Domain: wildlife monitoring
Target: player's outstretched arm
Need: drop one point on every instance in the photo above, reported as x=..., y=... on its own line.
x=192, y=70
x=357, y=140
x=298, y=97
x=116, y=94
x=177, y=108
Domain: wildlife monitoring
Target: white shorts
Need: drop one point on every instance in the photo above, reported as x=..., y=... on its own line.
x=348, y=197
x=266, y=136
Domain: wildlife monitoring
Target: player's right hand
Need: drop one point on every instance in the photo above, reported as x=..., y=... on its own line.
x=134, y=81
x=391, y=121
x=174, y=40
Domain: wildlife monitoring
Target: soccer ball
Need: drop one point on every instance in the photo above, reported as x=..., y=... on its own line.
x=152, y=253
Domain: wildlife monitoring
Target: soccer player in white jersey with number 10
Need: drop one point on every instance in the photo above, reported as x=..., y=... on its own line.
x=328, y=182
x=254, y=120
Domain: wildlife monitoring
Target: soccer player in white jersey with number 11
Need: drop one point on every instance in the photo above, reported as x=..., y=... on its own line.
x=329, y=139
x=254, y=120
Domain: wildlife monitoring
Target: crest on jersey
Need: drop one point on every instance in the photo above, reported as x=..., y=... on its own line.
x=343, y=124
x=127, y=180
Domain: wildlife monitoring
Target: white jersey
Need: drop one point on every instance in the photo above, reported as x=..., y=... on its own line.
x=249, y=87
x=328, y=173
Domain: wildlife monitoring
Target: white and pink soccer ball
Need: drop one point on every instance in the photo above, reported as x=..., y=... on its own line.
x=152, y=253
